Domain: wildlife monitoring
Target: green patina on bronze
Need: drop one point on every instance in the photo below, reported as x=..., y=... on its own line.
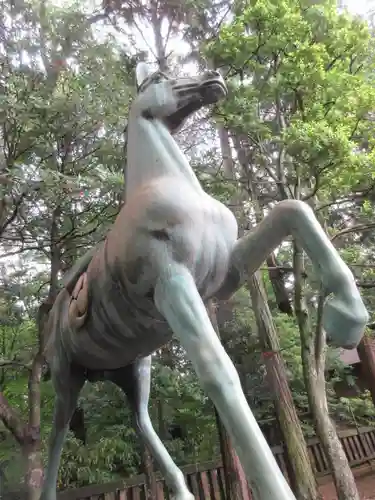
x=172, y=248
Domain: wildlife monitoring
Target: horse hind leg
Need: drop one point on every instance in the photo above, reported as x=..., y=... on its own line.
x=67, y=384
x=135, y=381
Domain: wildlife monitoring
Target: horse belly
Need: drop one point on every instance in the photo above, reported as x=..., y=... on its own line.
x=117, y=332
x=94, y=355
x=98, y=349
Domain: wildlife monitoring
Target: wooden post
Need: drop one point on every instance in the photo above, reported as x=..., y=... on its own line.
x=366, y=353
x=301, y=475
x=236, y=487
x=149, y=472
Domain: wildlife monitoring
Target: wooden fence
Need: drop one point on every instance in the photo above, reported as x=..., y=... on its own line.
x=206, y=481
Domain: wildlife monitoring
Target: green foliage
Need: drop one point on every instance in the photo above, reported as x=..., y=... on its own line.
x=360, y=410
x=185, y=405
x=113, y=450
x=314, y=65
x=301, y=100
x=241, y=340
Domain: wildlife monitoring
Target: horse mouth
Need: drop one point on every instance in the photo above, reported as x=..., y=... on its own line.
x=208, y=92
x=213, y=91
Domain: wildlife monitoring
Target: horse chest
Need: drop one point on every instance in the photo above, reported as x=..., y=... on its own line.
x=182, y=225
x=213, y=245
x=167, y=221
x=192, y=229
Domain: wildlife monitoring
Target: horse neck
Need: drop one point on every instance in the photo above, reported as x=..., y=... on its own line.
x=152, y=153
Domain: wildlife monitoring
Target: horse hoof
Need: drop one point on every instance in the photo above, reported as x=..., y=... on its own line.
x=184, y=496
x=344, y=321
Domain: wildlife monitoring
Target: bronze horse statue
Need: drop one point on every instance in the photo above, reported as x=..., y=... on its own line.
x=171, y=249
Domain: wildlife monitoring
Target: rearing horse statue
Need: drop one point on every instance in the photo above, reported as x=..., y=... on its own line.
x=171, y=249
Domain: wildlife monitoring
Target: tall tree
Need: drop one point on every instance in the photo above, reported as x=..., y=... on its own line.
x=300, y=471
x=53, y=131
x=303, y=117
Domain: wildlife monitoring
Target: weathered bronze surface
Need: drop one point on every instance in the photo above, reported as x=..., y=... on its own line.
x=171, y=249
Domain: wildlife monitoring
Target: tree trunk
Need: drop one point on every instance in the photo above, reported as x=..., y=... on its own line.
x=302, y=478
x=313, y=353
x=278, y=285
x=149, y=472
x=28, y=435
x=326, y=431
x=366, y=352
x=32, y=447
x=34, y=471
x=11, y=420
x=236, y=486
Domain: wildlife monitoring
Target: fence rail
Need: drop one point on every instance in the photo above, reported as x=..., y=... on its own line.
x=207, y=481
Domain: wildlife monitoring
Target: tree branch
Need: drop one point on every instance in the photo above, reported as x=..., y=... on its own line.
x=320, y=343
x=7, y=363
x=11, y=420
x=14, y=214
x=354, y=229
x=366, y=285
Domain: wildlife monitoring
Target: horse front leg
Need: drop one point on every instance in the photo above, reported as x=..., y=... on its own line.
x=344, y=315
x=67, y=385
x=135, y=381
x=178, y=300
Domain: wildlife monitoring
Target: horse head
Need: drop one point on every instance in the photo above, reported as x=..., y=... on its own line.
x=190, y=93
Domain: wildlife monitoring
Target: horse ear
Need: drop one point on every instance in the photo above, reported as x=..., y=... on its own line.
x=142, y=71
